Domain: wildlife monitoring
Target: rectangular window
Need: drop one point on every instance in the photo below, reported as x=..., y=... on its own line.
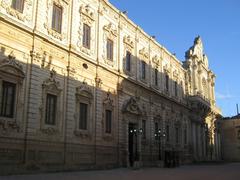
x=143, y=67
x=83, y=114
x=51, y=109
x=86, y=36
x=108, y=114
x=185, y=136
x=177, y=135
x=167, y=82
x=18, y=5
x=144, y=129
x=167, y=133
x=176, y=88
x=57, y=18
x=128, y=61
x=8, y=99
x=156, y=131
x=110, y=49
x=156, y=77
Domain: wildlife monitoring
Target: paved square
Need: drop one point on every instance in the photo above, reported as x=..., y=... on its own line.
x=191, y=172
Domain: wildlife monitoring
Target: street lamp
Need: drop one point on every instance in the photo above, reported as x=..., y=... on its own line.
x=159, y=134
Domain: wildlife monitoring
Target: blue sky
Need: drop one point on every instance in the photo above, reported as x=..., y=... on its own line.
x=176, y=23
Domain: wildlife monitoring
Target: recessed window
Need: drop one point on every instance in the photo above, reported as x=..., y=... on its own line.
x=128, y=61
x=110, y=49
x=8, y=99
x=177, y=135
x=144, y=129
x=50, y=112
x=86, y=36
x=57, y=18
x=83, y=115
x=176, y=88
x=108, y=114
x=167, y=82
x=167, y=133
x=18, y=5
x=156, y=77
x=185, y=136
x=143, y=68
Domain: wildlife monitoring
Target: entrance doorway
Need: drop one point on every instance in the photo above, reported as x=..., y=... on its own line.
x=132, y=143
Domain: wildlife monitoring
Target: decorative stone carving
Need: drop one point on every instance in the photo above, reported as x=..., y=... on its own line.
x=144, y=53
x=108, y=102
x=156, y=60
x=111, y=29
x=11, y=66
x=98, y=82
x=84, y=91
x=131, y=106
x=128, y=41
x=110, y=32
x=9, y=126
x=51, y=84
x=50, y=131
x=86, y=17
x=82, y=135
x=47, y=24
x=26, y=15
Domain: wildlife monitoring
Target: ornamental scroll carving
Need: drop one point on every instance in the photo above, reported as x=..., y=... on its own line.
x=25, y=16
x=129, y=42
x=144, y=53
x=47, y=25
x=87, y=17
x=110, y=32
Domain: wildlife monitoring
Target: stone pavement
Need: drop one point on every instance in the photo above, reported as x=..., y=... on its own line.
x=191, y=172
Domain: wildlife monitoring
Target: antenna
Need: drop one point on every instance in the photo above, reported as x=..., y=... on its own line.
x=237, y=110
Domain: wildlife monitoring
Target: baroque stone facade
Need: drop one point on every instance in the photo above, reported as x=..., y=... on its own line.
x=230, y=138
x=141, y=109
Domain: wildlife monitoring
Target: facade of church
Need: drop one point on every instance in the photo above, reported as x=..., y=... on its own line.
x=83, y=87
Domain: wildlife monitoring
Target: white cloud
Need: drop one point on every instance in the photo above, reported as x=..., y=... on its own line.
x=223, y=96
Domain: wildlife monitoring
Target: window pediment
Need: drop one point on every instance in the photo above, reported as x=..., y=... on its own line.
x=108, y=102
x=86, y=10
x=51, y=84
x=84, y=91
x=11, y=66
x=128, y=41
x=111, y=30
x=144, y=53
x=156, y=60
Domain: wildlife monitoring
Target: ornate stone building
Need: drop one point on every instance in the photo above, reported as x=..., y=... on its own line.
x=82, y=86
x=230, y=138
